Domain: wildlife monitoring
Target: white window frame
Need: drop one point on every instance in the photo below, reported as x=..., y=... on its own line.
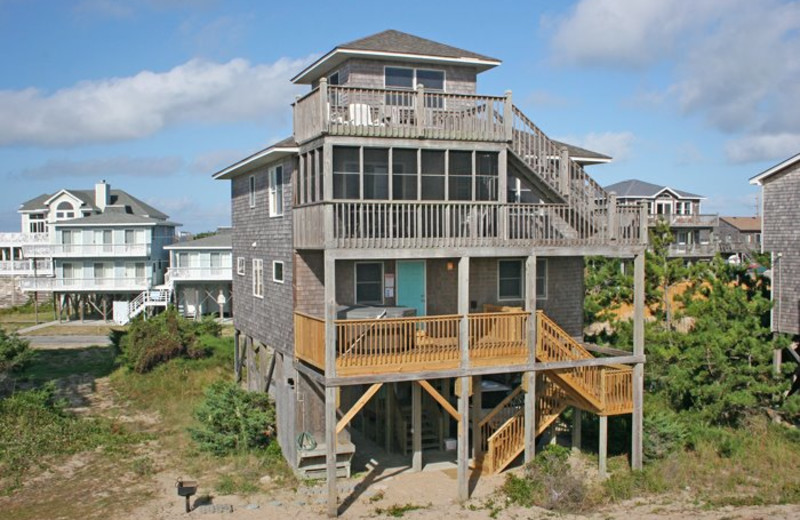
x=275, y=191
x=252, y=193
x=540, y=282
x=240, y=265
x=414, y=82
x=355, y=284
x=258, y=278
x=275, y=264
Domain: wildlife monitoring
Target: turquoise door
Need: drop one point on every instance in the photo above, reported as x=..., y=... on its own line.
x=411, y=285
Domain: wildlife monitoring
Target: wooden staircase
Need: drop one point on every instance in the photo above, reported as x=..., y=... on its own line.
x=603, y=390
x=431, y=428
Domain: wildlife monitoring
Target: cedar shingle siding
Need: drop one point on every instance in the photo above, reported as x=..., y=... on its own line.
x=780, y=236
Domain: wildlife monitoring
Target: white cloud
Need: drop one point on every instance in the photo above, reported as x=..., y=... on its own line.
x=214, y=160
x=108, y=168
x=543, y=98
x=762, y=147
x=616, y=144
x=734, y=62
x=118, y=109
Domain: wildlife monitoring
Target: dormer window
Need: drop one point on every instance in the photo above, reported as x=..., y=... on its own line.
x=65, y=210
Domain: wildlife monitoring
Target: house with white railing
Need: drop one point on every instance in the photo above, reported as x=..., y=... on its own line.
x=413, y=244
x=95, y=249
x=695, y=233
x=200, y=275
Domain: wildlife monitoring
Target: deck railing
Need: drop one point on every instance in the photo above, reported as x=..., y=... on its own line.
x=372, y=346
x=685, y=220
x=309, y=339
x=86, y=250
x=356, y=224
x=355, y=111
x=16, y=239
x=84, y=284
x=618, y=390
x=198, y=273
x=43, y=266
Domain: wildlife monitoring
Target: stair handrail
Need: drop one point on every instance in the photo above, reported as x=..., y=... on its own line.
x=502, y=404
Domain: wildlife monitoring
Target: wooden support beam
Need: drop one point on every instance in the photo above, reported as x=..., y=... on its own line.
x=463, y=310
x=603, y=447
x=237, y=362
x=637, y=417
x=477, y=404
x=330, y=450
x=577, y=415
x=463, y=443
x=346, y=418
x=530, y=415
x=416, y=428
x=330, y=315
x=439, y=398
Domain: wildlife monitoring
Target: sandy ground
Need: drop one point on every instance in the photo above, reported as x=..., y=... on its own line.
x=435, y=491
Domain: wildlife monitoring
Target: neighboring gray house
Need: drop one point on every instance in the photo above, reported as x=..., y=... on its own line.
x=410, y=240
x=780, y=186
x=106, y=247
x=695, y=233
x=739, y=235
x=200, y=273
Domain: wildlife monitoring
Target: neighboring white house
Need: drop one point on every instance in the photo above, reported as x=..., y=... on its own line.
x=102, y=246
x=200, y=274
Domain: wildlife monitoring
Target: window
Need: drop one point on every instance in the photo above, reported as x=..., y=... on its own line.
x=404, y=174
x=333, y=79
x=511, y=279
x=345, y=173
x=369, y=282
x=460, y=177
x=432, y=175
x=240, y=265
x=376, y=173
x=486, y=176
x=399, y=77
x=277, y=271
x=36, y=223
x=408, y=79
x=276, y=191
x=258, y=278
x=252, y=191
x=65, y=210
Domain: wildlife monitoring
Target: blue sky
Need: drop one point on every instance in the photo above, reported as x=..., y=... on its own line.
x=156, y=95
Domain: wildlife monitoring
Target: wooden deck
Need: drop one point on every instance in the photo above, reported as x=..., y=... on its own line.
x=432, y=343
x=353, y=224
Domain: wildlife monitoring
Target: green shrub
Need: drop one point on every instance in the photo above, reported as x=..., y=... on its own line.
x=232, y=420
x=15, y=352
x=549, y=482
x=664, y=433
x=166, y=336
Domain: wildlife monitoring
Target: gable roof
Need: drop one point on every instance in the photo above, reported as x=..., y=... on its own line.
x=117, y=198
x=641, y=189
x=766, y=174
x=752, y=224
x=283, y=148
x=398, y=46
